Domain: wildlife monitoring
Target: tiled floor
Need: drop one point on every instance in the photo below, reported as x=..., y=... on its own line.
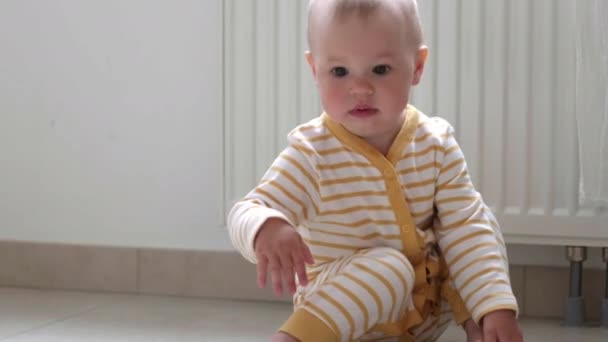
x=34, y=315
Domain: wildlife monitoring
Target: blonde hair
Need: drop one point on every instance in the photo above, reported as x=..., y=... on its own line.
x=365, y=8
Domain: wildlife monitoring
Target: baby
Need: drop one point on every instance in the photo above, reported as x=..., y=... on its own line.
x=369, y=216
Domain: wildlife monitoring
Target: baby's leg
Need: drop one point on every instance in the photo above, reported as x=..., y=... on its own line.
x=353, y=295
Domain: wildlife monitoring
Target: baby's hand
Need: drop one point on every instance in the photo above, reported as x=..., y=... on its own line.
x=280, y=249
x=474, y=333
x=501, y=326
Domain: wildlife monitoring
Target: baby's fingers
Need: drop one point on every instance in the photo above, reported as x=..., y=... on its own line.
x=262, y=266
x=287, y=272
x=307, y=254
x=300, y=268
x=276, y=274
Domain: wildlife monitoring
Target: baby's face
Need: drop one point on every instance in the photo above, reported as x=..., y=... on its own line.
x=364, y=68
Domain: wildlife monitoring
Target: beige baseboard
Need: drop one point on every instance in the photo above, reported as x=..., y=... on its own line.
x=541, y=290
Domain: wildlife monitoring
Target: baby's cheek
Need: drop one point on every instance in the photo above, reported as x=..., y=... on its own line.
x=333, y=99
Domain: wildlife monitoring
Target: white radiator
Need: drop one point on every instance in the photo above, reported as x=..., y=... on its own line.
x=501, y=71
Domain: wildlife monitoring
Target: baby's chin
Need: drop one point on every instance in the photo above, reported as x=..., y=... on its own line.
x=365, y=130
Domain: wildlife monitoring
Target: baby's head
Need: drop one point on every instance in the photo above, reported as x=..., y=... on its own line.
x=406, y=10
x=365, y=55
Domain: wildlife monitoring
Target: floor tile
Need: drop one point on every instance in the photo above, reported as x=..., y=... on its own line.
x=55, y=316
x=25, y=309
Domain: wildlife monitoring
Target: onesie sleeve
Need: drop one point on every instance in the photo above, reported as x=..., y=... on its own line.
x=469, y=236
x=288, y=191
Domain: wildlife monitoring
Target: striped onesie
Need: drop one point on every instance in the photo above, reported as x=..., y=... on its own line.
x=401, y=242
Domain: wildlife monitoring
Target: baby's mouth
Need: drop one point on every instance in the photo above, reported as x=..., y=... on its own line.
x=363, y=111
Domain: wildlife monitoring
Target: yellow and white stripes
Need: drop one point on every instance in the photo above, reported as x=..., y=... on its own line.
x=342, y=196
x=355, y=294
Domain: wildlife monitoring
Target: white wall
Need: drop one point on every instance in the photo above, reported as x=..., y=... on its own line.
x=110, y=122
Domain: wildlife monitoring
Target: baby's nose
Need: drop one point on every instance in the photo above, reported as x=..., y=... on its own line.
x=361, y=87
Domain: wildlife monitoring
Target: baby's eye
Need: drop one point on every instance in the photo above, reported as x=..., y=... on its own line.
x=381, y=69
x=339, y=71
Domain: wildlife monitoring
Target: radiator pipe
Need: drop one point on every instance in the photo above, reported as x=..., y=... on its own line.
x=575, y=304
x=605, y=258
x=605, y=301
x=576, y=278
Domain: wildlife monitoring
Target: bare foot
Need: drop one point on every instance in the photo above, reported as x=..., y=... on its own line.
x=283, y=337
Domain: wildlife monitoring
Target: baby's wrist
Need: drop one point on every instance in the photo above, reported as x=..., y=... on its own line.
x=499, y=314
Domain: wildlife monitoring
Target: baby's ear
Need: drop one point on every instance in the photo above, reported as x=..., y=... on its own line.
x=311, y=63
x=421, y=56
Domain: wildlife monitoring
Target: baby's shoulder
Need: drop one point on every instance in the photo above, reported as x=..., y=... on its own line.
x=433, y=129
x=310, y=130
x=313, y=135
x=435, y=125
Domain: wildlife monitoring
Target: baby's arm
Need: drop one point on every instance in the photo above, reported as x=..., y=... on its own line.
x=469, y=237
x=261, y=226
